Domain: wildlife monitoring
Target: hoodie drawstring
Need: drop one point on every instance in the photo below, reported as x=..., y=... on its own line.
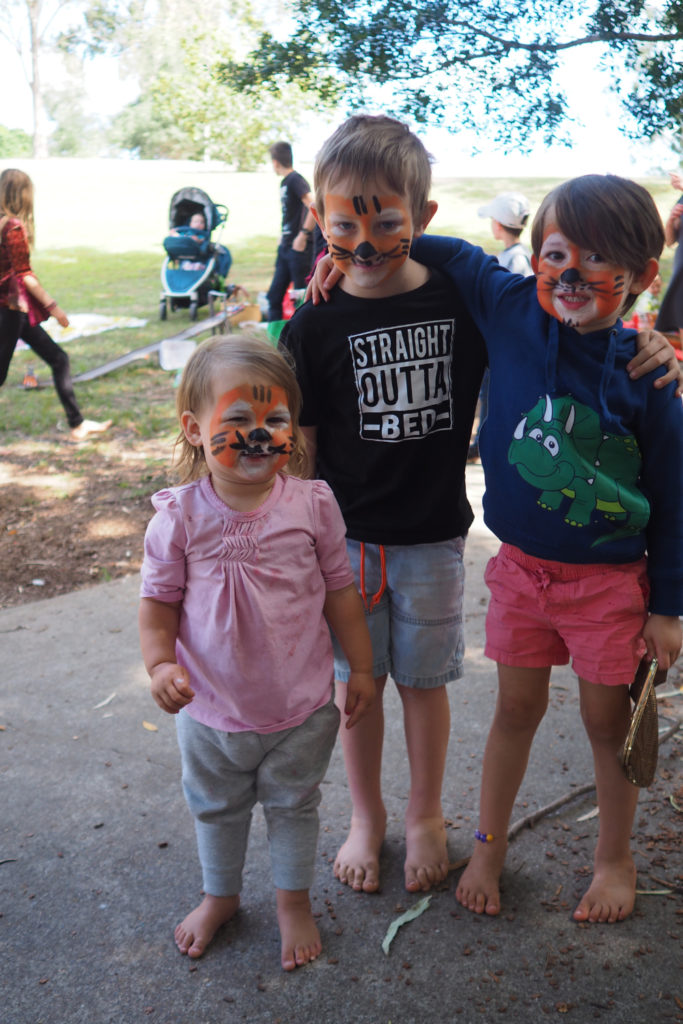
x=607, y=371
x=551, y=355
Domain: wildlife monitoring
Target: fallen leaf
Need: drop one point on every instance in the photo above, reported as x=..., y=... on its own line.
x=149, y=726
x=409, y=915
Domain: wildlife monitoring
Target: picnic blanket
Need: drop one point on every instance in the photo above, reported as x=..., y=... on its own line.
x=83, y=324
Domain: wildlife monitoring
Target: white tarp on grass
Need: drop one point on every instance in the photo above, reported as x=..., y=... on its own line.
x=84, y=324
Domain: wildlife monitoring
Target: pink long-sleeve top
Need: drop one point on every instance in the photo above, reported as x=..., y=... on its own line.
x=252, y=634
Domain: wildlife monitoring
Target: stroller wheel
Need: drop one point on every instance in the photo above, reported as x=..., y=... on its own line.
x=194, y=306
x=163, y=311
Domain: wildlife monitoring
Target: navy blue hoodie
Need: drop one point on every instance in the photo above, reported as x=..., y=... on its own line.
x=582, y=464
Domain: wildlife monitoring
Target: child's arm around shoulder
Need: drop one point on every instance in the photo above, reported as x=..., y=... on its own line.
x=170, y=682
x=654, y=350
x=343, y=610
x=325, y=278
x=436, y=250
x=464, y=262
x=480, y=279
x=453, y=254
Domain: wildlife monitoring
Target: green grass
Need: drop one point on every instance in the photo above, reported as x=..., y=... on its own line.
x=100, y=227
x=139, y=397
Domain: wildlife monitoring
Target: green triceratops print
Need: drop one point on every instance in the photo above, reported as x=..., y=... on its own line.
x=560, y=448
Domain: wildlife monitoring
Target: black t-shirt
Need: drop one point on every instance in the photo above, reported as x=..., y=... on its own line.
x=391, y=386
x=292, y=188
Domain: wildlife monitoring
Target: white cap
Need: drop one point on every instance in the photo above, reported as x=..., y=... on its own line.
x=511, y=209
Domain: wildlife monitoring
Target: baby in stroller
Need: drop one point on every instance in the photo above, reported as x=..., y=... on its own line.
x=196, y=231
x=194, y=265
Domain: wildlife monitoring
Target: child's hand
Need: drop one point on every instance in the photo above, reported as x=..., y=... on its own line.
x=171, y=687
x=676, y=180
x=361, y=694
x=60, y=316
x=325, y=277
x=654, y=350
x=663, y=635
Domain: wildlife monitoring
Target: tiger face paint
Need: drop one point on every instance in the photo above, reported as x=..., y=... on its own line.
x=578, y=286
x=250, y=430
x=368, y=232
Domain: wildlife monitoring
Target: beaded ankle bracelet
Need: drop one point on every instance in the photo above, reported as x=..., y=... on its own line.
x=483, y=837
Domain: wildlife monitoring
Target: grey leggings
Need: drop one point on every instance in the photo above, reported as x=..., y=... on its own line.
x=225, y=774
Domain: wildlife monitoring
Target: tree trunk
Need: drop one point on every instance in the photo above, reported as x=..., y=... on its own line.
x=39, y=114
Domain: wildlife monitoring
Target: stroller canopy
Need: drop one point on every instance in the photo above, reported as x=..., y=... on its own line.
x=188, y=201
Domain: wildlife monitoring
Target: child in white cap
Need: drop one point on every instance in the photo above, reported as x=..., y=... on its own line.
x=509, y=212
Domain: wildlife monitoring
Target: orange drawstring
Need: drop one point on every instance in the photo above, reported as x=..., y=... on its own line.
x=383, y=581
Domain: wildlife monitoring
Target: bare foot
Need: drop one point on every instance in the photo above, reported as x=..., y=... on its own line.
x=89, y=427
x=426, y=854
x=611, y=894
x=478, y=889
x=357, y=863
x=298, y=932
x=194, y=934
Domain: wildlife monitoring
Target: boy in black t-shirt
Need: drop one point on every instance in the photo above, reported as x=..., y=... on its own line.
x=388, y=421
x=293, y=260
x=390, y=369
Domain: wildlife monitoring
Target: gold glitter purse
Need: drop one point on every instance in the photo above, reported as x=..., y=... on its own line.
x=638, y=756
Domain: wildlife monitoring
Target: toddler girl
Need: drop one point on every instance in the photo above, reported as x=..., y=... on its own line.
x=245, y=566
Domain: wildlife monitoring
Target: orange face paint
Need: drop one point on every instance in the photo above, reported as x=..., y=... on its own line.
x=368, y=233
x=250, y=424
x=578, y=286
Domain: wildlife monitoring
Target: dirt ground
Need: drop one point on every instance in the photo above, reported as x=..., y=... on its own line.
x=71, y=516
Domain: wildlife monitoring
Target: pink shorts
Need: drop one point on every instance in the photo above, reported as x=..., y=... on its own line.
x=543, y=613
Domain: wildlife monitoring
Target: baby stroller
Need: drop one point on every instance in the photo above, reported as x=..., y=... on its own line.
x=194, y=264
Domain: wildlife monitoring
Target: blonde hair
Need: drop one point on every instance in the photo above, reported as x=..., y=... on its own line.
x=250, y=351
x=379, y=147
x=16, y=199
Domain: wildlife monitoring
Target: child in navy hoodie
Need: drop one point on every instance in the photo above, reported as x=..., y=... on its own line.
x=584, y=487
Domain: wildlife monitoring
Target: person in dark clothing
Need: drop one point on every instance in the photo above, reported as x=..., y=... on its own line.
x=294, y=253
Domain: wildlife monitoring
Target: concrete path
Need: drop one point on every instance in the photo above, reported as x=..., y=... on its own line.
x=98, y=862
